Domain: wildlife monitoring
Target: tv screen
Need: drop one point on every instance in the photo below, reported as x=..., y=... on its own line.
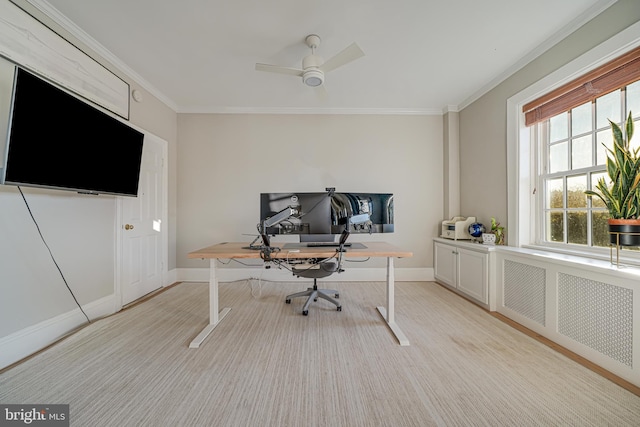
x=55, y=140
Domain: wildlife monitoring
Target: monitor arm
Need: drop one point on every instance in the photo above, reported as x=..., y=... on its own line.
x=283, y=215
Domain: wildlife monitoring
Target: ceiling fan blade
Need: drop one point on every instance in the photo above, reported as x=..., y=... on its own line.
x=321, y=93
x=279, y=70
x=350, y=53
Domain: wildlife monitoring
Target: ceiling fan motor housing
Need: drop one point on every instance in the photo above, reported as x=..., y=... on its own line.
x=313, y=77
x=312, y=61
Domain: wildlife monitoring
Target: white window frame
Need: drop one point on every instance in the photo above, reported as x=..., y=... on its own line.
x=522, y=203
x=541, y=134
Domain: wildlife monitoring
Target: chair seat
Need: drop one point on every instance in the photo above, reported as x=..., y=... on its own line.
x=315, y=271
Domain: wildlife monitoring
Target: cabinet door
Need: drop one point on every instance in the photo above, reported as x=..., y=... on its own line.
x=445, y=263
x=473, y=270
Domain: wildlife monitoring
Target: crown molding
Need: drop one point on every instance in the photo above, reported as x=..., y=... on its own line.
x=303, y=110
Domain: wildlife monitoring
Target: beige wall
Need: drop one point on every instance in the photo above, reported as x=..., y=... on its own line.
x=226, y=161
x=483, y=147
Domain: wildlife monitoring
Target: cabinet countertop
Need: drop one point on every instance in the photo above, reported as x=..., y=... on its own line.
x=467, y=244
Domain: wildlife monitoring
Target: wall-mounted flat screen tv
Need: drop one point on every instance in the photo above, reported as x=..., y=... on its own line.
x=56, y=140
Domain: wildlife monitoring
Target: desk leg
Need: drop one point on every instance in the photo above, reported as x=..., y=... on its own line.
x=214, y=316
x=388, y=313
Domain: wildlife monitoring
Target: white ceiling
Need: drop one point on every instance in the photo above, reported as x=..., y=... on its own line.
x=421, y=56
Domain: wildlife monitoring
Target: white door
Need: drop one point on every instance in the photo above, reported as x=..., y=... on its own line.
x=142, y=227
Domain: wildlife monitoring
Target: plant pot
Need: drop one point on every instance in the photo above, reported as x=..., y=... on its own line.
x=625, y=232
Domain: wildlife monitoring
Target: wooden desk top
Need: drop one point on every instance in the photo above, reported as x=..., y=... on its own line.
x=235, y=250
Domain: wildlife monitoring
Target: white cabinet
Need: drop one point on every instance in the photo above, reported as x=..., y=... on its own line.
x=467, y=268
x=445, y=263
x=473, y=274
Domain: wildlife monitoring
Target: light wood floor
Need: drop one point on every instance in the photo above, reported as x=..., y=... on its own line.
x=267, y=365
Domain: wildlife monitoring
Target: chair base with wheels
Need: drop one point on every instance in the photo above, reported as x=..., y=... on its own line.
x=318, y=271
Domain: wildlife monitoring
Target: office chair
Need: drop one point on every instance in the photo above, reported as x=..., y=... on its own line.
x=316, y=271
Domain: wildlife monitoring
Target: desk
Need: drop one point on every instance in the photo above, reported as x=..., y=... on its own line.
x=229, y=250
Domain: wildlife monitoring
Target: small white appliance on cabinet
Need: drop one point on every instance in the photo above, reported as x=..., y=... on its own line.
x=457, y=228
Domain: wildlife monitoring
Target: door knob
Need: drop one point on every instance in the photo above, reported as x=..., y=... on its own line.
x=128, y=227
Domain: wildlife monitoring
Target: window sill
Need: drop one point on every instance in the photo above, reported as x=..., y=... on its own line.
x=627, y=268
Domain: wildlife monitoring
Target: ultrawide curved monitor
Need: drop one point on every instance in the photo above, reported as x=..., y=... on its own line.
x=327, y=213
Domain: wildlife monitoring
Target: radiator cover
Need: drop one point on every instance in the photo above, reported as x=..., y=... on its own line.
x=598, y=315
x=525, y=290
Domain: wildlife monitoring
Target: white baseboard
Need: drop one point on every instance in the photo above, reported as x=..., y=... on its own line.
x=171, y=277
x=282, y=275
x=27, y=341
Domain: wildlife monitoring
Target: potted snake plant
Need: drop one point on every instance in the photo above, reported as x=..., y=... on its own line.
x=622, y=195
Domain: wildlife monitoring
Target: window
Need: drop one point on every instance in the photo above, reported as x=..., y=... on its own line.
x=555, y=148
x=572, y=157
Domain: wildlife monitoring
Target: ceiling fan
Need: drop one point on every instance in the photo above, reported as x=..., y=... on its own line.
x=313, y=66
